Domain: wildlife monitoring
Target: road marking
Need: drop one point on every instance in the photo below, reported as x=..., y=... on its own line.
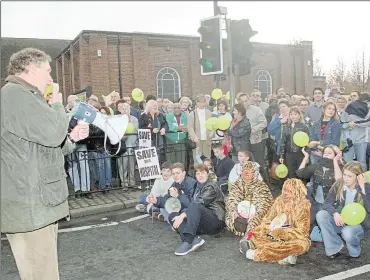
x=96, y=226
x=135, y=218
x=347, y=274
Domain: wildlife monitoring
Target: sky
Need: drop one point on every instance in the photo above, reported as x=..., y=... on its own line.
x=337, y=29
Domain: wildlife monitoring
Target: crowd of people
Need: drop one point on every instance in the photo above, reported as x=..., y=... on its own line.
x=229, y=187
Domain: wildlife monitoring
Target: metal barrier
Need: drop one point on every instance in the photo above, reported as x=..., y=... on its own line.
x=94, y=170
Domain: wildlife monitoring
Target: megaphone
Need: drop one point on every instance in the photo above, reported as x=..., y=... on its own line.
x=114, y=127
x=172, y=205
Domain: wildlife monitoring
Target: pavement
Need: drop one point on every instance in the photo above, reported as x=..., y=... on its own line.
x=126, y=245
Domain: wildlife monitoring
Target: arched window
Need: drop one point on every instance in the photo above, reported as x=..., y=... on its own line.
x=263, y=83
x=168, y=84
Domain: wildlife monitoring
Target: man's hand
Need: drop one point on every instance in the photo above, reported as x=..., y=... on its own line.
x=338, y=156
x=174, y=192
x=155, y=130
x=281, y=160
x=56, y=96
x=361, y=179
x=305, y=153
x=177, y=221
x=163, y=131
x=234, y=215
x=352, y=124
x=79, y=132
x=153, y=200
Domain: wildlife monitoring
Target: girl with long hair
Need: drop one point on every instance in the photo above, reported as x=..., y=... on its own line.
x=289, y=151
x=352, y=188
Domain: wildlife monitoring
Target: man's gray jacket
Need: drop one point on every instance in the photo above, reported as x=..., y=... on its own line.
x=34, y=190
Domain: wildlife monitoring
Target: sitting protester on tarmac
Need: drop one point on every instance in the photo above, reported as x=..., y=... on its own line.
x=252, y=192
x=205, y=214
x=352, y=188
x=159, y=189
x=243, y=156
x=184, y=184
x=283, y=234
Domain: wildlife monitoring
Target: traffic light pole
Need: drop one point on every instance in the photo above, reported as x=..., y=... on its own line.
x=230, y=60
x=216, y=12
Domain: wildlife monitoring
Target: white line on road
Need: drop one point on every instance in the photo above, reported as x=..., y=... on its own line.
x=135, y=218
x=347, y=274
x=97, y=226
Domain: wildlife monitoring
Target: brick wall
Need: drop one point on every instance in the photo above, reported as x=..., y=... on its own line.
x=144, y=55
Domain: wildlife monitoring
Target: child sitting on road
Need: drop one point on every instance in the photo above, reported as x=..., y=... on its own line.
x=160, y=188
x=243, y=156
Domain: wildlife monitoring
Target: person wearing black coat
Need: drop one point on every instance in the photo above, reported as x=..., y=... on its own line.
x=204, y=215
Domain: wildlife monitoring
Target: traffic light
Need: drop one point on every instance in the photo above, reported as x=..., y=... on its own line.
x=242, y=48
x=211, y=56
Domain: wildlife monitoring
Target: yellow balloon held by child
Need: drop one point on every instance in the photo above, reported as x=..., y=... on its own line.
x=353, y=214
x=130, y=128
x=281, y=171
x=301, y=139
x=367, y=176
x=228, y=95
x=216, y=94
x=212, y=124
x=137, y=94
x=223, y=123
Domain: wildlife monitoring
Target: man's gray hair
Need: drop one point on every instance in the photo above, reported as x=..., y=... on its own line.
x=19, y=61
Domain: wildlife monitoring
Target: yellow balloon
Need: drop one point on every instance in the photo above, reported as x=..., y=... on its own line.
x=130, y=128
x=223, y=123
x=301, y=139
x=137, y=94
x=49, y=90
x=228, y=95
x=212, y=124
x=281, y=171
x=216, y=94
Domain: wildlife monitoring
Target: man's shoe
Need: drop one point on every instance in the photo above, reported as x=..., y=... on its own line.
x=244, y=245
x=141, y=208
x=197, y=243
x=184, y=249
x=288, y=260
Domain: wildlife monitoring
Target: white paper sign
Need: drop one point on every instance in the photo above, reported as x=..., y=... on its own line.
x=148, y=163
x=145, y=138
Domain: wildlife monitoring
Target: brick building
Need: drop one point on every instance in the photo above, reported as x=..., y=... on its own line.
x=167, y=65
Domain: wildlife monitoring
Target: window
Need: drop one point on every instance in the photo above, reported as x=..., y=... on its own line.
x=263, y=83
x=168, y=84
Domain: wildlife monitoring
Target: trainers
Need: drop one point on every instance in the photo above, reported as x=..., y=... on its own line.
x=244, y=246
x=197, y=243
x=160, y=217
x=141, y=208
x=288, y=260
x=250, y=254
x=184, y=249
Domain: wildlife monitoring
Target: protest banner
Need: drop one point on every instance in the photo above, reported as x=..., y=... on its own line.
x=148, y=163
x=145, y=138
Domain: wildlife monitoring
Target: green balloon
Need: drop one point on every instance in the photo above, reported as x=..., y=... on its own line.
x=281, y=171
x=223, y=123
x=212, y=124
x=353, y=214
x=367, y=176
x=301, y=139
x=130, y=128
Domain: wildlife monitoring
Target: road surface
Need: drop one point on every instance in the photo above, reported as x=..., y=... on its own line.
x=105, y=248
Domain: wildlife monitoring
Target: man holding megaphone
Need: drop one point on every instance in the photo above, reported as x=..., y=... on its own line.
x=34, y=141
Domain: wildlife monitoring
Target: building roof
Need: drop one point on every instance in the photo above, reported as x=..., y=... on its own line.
x=52, y=47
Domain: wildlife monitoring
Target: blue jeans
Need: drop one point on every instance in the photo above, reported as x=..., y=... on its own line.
x=358, y=150
x=105, y=170
x=352, y=235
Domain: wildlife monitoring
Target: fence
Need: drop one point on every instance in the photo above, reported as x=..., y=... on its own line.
x=95, y=170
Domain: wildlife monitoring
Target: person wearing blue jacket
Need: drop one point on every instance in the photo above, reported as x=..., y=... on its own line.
x=352, y=188
x=326, y=131
x=182, y=188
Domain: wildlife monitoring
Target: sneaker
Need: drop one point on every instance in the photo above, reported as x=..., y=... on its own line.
x=244, y=246
x=184, y=249
x=288, y=260
x=250, y=254
x=141, y=208
x=160, y=217
x=197, y=243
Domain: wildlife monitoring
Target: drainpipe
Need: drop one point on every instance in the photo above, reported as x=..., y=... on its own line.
x=119, y=66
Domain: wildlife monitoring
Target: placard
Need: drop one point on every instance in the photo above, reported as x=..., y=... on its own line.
x=145, y=138
x=148, y=163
